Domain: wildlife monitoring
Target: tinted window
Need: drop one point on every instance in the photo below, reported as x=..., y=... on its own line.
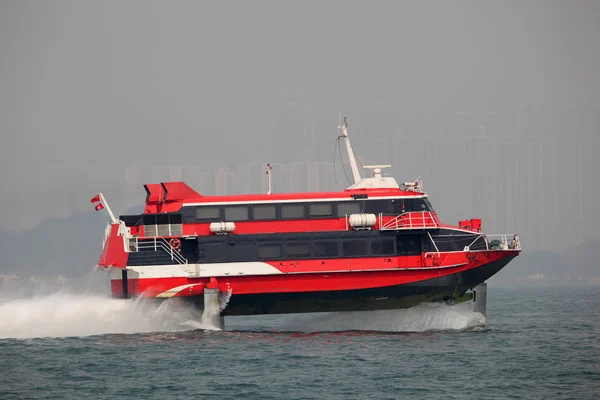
x=175, y=219
x=348, y=208
x=292, y=211
x=269, y=251
x=416, y=205
x=413, y=245
x=241, y=251
x=204, y=212
x=400, y=246
x=326, y=249
x=354, y=247
x=264, y=212
x=384, y=247
x=427, y=245
x=149, y=219
x=428, y=205
x=379, y=206
x=321, y=210
x=162, y=219
x=296, y=250
x=236, y=213
x=215, y=252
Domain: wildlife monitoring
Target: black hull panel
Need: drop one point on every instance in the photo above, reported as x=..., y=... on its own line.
x=384, y=298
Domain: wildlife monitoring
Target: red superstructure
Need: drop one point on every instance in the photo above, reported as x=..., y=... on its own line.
x=375, y=245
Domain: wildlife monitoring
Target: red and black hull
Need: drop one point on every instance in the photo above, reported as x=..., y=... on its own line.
x=381, y=298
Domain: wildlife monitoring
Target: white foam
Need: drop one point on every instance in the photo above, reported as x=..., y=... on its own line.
x=72, y=314
x=424, y=317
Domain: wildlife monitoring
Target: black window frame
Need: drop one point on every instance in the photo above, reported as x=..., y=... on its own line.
x=265, y=245
x=208, y=219
x=361, y=241
x=318, y=242
x=331, y=204
x=276, y=216
x=339, y=213
x=374, y=242
x=377, y=206
x=302, y=205
x=240, y=206
x=308, y=254
x=413, y=251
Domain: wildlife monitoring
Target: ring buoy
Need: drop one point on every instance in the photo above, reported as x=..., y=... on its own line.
x=175, y=243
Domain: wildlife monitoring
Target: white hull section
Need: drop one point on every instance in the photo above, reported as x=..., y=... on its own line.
x=197, y=270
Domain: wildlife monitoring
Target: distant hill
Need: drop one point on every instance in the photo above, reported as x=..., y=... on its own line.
x=68, y=246
x=579, y=264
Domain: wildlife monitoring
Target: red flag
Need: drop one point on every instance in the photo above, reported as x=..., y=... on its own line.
x=95, y=199
x=99, y=206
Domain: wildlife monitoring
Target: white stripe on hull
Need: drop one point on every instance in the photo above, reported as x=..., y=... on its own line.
x=200, y=270
x=173, y=291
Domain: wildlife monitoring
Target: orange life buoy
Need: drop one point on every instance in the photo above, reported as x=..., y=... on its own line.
x=175, y=243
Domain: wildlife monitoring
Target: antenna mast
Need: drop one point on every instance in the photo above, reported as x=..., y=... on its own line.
x=105, y=204
x=269, y=171
x=351, y=158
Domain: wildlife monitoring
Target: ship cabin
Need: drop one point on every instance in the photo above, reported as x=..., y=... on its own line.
x=361, y=222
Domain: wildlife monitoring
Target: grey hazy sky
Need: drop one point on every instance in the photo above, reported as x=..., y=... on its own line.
x=87, y=88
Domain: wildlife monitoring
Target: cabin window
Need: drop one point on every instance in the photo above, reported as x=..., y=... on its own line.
x=326, y=249
x=297, y=250
x=292, y=211
x=413, y=245
x=416, y=205
x=445, y=241
x=149, y=219
x=427, y=244
x=162, y=219
x=204, y=212
x=382, y=247
x=269, y=251
x=175, y=219
x=348, y=208
x=428, y=204
x=353, y=248
x=264, y=212
x=236, y=213
x=321, y=210
x=379, y=206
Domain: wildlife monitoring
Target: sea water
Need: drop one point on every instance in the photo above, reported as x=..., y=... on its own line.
x=533, y=343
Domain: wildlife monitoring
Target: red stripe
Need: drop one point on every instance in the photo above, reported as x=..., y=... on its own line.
x=308, y=282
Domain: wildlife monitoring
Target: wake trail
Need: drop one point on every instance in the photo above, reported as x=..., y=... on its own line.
x=422, y=318
x=71, y=314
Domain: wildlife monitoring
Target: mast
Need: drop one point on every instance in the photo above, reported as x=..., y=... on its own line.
x=269, y=172
x=351, y=158
x=105, y=204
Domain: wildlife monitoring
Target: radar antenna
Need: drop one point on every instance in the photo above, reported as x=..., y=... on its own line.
x=377, y=169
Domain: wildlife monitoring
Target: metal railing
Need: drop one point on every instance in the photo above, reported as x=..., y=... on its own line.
x=409, y=220
x=156, y=244
x=501, y=242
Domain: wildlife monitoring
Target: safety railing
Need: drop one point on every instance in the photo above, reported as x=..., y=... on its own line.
x=503, y=242
x=156, y=244
x=409, y=220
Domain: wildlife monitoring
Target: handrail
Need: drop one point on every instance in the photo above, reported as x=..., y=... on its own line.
x=502, y=241
x=157, y=243
x=409, y=220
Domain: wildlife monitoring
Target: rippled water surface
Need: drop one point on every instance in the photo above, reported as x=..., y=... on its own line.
x=537, y=343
